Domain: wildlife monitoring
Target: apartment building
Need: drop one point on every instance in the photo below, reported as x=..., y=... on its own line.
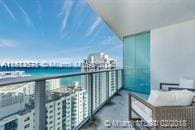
x=65, y=108
x=94, y=62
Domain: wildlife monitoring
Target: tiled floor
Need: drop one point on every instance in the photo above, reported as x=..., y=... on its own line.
x=116, y=110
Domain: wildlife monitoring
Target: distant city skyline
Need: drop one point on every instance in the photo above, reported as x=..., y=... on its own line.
x=59, y=31
x=102, y=59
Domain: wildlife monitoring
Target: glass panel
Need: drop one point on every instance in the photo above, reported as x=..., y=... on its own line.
x=120, y=80
x=143, y=63
x=17, y=106
x=137, y=62
x=112, y=83
x=67, y=102
x=129, y=62
x=99, y=89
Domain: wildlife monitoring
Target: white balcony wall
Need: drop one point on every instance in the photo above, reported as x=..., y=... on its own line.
x=172, y=53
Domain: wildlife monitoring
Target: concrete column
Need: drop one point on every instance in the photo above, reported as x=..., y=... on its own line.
x=90, y=95
x=40, y=99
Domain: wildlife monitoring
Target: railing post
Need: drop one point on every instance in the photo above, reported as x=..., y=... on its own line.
x=40, y=98
x=122, y=78
x=107, y=87
x=90, y=95
x=117, y=85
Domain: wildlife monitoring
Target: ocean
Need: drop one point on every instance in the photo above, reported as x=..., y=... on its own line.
x=49, y=71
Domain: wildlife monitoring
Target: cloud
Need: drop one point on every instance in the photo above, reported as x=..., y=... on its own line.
x=81, y=16
x=25, y=15
x=65, y=13
x=93, y=27
x=96, y=34
x=39, y=10
x=7, y=9
x=7, y=43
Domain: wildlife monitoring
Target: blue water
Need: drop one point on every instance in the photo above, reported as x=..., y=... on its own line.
x=40, y=72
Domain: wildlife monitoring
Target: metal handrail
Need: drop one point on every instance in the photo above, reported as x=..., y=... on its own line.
x=34, y=79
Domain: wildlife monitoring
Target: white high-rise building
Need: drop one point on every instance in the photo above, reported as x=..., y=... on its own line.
x=65, y=108
x=52, y=84
x=15, y=105
x=68, y=110
x=94, y=62
x=98, y=61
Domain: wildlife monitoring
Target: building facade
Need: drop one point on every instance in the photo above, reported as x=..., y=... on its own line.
x=65, y=108
x=94, y=62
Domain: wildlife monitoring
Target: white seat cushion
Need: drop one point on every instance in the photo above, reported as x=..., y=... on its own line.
x=171, y=98
x=143, y=111
x=186, y=83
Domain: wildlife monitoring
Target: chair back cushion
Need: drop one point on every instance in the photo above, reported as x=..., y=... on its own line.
x=171, y=98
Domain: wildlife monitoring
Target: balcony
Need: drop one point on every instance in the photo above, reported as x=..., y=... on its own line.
x=158, y=47
x=43, y=105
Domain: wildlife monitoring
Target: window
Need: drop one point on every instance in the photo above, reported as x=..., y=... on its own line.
x=11, y=125
x=50, y=122
x=27, y=119
x=26, y=126
x=51, y=117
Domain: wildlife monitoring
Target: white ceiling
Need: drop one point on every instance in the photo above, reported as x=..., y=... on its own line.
x=127, y=17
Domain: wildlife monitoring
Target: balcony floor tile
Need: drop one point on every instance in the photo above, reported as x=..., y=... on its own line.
x=116, y=110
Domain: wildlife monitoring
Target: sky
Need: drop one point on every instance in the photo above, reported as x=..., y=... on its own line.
x=54, y=30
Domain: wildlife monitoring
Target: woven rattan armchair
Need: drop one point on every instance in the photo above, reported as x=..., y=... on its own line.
x=164, y=117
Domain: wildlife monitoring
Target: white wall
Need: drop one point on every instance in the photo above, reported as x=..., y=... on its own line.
x=172, y=53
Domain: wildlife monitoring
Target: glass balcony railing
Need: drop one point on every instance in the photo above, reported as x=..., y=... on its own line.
x=61, y=102
x=17, y=102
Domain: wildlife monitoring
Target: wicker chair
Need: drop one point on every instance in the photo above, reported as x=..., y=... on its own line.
x=165, y=117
